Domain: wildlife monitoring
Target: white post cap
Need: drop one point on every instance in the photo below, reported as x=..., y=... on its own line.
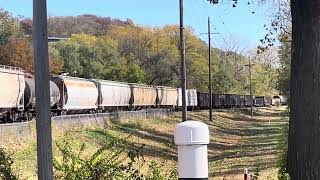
x=191, y=133
x=246, y=171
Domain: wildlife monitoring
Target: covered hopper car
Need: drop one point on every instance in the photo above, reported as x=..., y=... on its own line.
x=71, y=95
x=167, y=97
x=77, y=95
x=113, y=95
x=143, y=96
x=11, y=93
x=30, y=99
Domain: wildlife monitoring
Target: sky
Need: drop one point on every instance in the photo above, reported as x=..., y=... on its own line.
x=237, y=28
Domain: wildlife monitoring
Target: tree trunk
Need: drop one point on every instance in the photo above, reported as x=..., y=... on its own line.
x=304, y=128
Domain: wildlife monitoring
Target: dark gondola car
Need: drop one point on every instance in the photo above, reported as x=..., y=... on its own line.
x=236, y=100
x=249, y=100
x=203, y=100
x=259, y=101
x=219, y=100
x=267, y=100
x=229, y=100
x=241, y=100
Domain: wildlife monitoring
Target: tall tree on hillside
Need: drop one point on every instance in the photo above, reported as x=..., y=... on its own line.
x=26, y=26
x=8, y=26
x=17, y=52
x=304, y=127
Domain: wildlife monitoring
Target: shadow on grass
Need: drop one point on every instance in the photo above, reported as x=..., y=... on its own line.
x=239, y=167
x=233, y=136
x=167, y=151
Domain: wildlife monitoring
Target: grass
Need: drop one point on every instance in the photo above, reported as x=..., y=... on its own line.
x=237, y=142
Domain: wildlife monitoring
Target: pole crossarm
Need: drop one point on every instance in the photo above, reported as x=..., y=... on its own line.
x=208, y=33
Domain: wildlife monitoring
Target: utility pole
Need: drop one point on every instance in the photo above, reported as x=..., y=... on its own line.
x=183, y=61
x=250, y=83
x=42, y=88
x=182, y=64
x=209, y=64
x=251, y=86
x=209, y=67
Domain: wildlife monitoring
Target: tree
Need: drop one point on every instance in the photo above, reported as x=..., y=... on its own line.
x=283, y=80
x=68, y=51
x=263, y=80
x=304, y=126
x=17, y=52
x=87, y=56
x=26, y=26
x=163, y=70
x=8, y=26
x=55, y=61
x=65, y=26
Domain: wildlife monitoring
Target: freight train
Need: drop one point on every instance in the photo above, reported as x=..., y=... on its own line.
x=71, y=95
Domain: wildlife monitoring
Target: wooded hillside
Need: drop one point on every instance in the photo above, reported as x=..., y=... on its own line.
x=106, y=48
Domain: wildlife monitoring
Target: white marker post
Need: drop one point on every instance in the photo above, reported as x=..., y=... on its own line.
x=192, y=138
x=246, y=177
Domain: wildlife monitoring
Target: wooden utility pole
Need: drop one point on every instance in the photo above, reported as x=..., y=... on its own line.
x=183, y=61
x=209, y=64
x=250, y=79
x=250, y=83
x=42, y=88
x=182, y=64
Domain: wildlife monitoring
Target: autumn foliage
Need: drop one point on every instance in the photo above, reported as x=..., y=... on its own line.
x=17, y=52
x=111, y=49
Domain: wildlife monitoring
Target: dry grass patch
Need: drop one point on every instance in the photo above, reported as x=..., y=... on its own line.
x=237, y=141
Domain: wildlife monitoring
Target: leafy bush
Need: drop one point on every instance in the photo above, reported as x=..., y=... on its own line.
x=116, y=159
x=256, y=174
x=106, y=162
x=158, y=174
x=6, y=171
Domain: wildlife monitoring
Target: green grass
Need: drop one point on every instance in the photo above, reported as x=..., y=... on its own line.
x=237, y=142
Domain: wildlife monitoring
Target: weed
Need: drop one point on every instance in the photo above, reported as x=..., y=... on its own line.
x=6, y=171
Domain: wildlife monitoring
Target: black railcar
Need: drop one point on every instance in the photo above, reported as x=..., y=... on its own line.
x=229, y=100
x=203, y=100
x=259, y=101
x=236, y=100
x=249, y=100
x=267, y=100
x=219, y=100
x=242, y=100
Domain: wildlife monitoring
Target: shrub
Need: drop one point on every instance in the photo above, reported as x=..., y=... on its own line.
x=116, y=159
x=157, y=173
x=6, y=171
x=256, y=174
x=105, y=163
